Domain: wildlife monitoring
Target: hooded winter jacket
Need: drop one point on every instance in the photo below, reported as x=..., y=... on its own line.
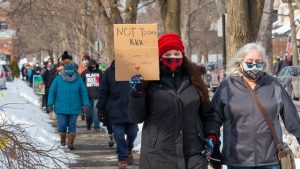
x=176, y=122
x=68, y=95
x=92, y=79
x=247, y=138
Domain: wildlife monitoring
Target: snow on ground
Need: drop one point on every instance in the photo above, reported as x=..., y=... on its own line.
x=29, y=113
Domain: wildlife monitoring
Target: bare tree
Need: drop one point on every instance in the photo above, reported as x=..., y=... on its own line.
x=293, y=33
x=19, y=150
x=170, y=13
x=243, y=20
x=221, y=6
x=192, y=10
x=265, y=34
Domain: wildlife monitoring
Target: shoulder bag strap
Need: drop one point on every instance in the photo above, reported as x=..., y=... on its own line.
x=264, y=113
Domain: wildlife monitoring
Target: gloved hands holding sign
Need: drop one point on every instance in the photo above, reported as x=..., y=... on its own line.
x=136, y=84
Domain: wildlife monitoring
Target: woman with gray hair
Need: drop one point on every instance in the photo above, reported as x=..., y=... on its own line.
x=247, y=140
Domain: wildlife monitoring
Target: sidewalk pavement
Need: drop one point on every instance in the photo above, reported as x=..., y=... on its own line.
x=93, y=151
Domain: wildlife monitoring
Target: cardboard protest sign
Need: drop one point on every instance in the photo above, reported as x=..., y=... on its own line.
x=38, y=85
x=136, y=51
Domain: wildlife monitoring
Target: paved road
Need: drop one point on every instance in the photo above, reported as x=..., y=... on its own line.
x=93, y=151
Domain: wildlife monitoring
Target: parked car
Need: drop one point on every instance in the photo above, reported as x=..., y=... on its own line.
x=289, y=77
x=214, y=75
x=8, y=73
x=2, y=78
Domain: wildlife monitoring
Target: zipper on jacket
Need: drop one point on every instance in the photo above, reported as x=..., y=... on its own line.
x=179, y=127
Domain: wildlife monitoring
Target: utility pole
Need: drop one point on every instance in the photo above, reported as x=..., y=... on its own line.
x=224, y=39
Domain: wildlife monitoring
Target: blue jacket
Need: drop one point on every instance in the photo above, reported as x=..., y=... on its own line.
x=68, y=97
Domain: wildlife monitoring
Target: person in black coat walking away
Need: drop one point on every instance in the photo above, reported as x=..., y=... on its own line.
x=113, y=103
x=92, y=78
x=45, y=73
x=23, y=72
x=179, y=130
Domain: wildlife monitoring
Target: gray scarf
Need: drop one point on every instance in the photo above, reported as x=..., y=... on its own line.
x=68, y=78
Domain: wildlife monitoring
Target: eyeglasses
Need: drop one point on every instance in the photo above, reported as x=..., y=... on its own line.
x=251, y=65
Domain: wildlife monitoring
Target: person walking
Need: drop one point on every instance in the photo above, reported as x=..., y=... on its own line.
x=92, y=78
x=48, y=66
x=247, y=139
x=68, y=96
x=23, y=72
x=113, y=100
x=179, y=128
x=85, y=62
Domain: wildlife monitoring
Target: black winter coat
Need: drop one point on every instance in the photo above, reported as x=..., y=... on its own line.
x=176, y=122
x=113, y=97
x=92, y=79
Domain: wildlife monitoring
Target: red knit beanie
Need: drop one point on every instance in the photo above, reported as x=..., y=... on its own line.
x=169, y=41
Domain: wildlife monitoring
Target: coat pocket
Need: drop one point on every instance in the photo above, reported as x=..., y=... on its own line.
x=199, y=132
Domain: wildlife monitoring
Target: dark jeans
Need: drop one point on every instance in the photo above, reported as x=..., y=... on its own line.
x=91, y=117
x=277, y=166
x=44, y=100
x=66, y=123
x=109, y=129
x=123, y=145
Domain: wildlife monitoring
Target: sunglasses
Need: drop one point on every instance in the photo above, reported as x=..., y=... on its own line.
x=251, y=65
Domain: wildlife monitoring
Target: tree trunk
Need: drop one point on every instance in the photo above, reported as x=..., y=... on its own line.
x=185, y=27
x=83, y=35
x=242, y=25
x=264, y=36
x=205, y=55
x=50, y=52
x=293, y=33
x=108, y=31
x=170, y=13
x=256, y=8
x=221, y=6
x=115, y=12
x=130, y=15
x=131, y=11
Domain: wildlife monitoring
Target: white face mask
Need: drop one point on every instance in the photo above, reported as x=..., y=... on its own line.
x=85, y=62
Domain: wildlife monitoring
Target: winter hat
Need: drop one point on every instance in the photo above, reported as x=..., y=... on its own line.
x=66, y=55
x=169, y=41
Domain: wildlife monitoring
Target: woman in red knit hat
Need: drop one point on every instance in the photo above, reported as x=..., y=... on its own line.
x=179, y=129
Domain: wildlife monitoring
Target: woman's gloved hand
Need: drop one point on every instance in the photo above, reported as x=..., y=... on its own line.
x=216, y=157
x=209, y=148
x=136, y=84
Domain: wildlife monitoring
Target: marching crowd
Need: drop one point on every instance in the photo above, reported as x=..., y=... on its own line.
x=181, y=125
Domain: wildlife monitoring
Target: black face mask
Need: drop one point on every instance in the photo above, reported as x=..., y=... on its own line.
x=93, y=68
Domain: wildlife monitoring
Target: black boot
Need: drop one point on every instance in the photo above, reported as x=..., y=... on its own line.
x=111, y=142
